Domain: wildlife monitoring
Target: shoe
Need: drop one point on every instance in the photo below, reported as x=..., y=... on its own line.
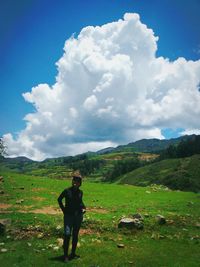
x=66, y=259
x=73, y=256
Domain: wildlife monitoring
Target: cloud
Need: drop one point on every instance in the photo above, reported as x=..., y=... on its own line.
x=110, y=89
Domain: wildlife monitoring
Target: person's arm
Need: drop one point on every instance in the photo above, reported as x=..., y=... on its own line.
x=83, y=207
x=60, y=198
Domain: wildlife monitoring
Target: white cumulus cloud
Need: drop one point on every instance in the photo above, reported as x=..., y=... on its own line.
x=111, y=88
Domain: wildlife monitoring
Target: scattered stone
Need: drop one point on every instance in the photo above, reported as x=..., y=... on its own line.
x=60, y=242
x=161, y=219
x=120, y=245
x=3, y=225
x=138, y=216
x=170, y=221
x=157, y=236
x=40, y=235
x=20, y=201
x=197, y=225
x=58, y=227
x=196, y=237
x=130, y=223
x=4, y=250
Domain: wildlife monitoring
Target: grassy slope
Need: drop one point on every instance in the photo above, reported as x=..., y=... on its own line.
x=174, y=244
x=165, y=170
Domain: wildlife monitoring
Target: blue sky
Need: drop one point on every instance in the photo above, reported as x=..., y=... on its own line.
x=33, y=34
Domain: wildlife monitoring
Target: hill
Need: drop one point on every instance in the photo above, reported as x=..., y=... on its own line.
x=109, y=164
x=182, y=173
x=151, y=145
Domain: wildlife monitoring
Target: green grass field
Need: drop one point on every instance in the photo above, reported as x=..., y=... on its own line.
x=36, y=224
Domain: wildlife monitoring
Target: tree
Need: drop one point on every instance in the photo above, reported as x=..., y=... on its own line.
x=2, y=147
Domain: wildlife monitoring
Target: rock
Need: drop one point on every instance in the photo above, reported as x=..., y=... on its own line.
x=29, y=244
x=4, y=250
x=130, y=223
x=148, y=192
x=60, y=242
x=3, y=225
x=1, y=192
x=197, y=225
x=56, y=248
x=120, y=245
x=58, y=227
x=161, y=219
x=40, y=235
x=138, y=216
x=19, y=201
x=1, y=179
x=2, y=244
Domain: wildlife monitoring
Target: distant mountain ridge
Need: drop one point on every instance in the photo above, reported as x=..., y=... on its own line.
x=146, y=145
x=143, y=145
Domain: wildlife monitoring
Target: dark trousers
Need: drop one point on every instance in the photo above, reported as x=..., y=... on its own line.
x=72, y=224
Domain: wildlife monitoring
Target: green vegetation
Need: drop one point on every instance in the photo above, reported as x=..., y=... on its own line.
x=121, y=167
x=185, y=148
x=36, y=224
x=182, y=173
x=169, y=167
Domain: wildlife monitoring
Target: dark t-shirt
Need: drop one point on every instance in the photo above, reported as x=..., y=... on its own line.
x=73, y=200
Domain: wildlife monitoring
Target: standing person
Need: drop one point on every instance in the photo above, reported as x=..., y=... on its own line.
x=73, y=211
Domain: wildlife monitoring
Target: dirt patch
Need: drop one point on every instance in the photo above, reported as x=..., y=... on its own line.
x=38, y=198
x=38, y=189
x=97, y=210
x=148, y=157
x=5, y=206
x=47, y=210
x=86, y=231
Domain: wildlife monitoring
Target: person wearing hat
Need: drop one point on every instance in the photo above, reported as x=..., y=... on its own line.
x=73, y=211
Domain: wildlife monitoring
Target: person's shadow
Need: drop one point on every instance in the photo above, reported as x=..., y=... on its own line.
x=57, y=258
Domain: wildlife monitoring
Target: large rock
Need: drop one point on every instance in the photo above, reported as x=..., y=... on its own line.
x=130, y=223
x=161, y=219
x=3, y=225
x=138, y=216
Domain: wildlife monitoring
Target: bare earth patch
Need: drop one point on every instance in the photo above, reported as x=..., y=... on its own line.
x=86, y=231
x=5, y=206
x=38, y=198
x=47, y=210
x=97, y=210
x=38, y=189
